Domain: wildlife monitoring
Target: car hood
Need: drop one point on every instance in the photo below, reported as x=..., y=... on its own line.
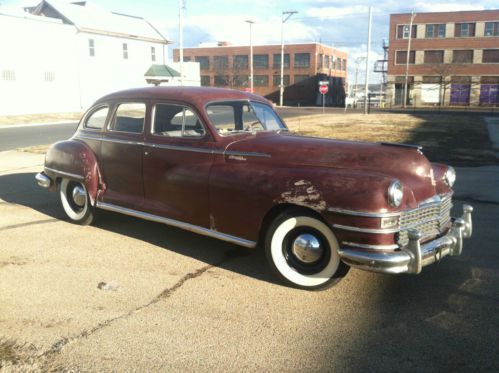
x=405, y=163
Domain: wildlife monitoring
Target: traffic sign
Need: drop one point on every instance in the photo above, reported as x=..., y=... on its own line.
x=323, y=89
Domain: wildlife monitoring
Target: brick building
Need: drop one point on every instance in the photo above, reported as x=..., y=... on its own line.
x=228, y=66
x=453, y=59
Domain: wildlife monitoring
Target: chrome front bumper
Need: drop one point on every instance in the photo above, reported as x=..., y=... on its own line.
x=415, y=255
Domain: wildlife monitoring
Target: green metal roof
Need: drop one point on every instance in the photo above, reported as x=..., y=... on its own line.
x=162, y=71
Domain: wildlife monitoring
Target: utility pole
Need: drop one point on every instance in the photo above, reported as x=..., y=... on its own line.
x=413, y=15
x=285, y=16
x=366, y=88
x=181, y=38
x=250, y=22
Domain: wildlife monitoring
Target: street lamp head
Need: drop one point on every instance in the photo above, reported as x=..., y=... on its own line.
x=249, y=21
x=287, y=14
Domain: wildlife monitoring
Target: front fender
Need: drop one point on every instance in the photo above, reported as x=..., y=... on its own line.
x=75, y=160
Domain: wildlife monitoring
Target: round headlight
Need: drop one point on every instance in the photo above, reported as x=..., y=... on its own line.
x=395, y=193
x=450, y=176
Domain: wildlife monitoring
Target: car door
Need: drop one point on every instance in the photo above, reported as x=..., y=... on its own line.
x=177, y=161
x=121, y=155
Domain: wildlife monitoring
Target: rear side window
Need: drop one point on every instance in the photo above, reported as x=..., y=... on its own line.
x=176, y=121
x=129, y=118
x=97, y=119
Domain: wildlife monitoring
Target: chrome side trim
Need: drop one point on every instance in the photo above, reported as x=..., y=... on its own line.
x=366, y=230
x=370, y=247
x=363, y=213
x=176, y=147
x=74, y=176
x=178, y=224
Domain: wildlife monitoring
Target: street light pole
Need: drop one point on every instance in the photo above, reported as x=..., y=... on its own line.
x=181, y=38
x=285, y=17
x=413, y=15
x=250, y=22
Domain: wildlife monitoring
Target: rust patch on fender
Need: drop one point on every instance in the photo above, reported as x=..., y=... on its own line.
x=304, y=193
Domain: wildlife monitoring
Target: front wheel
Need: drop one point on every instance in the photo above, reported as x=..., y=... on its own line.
x=76, y=202
x=303, y=252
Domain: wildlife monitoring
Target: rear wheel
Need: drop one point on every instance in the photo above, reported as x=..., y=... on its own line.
x=303, y=251
x=76, y=202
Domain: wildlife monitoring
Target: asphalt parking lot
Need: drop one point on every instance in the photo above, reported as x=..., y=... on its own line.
x=131, y=295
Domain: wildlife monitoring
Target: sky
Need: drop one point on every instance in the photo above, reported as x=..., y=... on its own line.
x=340, y=24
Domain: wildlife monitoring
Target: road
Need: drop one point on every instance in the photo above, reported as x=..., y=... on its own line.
x=182, y=302
x=13, y=137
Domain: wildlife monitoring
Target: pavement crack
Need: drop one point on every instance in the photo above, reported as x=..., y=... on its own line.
x=166, y=293
x=14, y=226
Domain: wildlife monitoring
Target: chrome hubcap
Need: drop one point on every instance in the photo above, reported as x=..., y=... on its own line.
x=307, y=248
x=79, y=196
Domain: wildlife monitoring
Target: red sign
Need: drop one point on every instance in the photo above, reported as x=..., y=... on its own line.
x=323, y=89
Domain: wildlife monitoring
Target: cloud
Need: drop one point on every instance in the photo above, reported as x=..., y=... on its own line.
x=447, y=6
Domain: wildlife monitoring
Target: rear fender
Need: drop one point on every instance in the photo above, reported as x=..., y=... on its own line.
x=75, y=160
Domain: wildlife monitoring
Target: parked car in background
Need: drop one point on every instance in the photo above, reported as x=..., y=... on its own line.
x=222, y=163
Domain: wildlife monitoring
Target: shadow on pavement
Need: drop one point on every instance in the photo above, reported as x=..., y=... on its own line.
x=22, y=189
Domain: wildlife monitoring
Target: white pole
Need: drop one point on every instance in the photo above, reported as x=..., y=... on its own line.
x=181, y=38
x=413, y=15
x=366, y=88
x=251, y=55
x=281, y=86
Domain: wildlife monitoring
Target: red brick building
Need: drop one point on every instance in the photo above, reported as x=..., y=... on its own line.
x=453, y=59
x=304, y=65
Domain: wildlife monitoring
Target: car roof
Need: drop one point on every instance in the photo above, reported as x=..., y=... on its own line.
x=195, y=95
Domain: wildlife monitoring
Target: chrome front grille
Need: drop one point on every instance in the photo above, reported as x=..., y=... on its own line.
x=430, y=218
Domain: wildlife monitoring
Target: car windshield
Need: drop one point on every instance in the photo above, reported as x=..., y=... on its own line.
x=231, y=117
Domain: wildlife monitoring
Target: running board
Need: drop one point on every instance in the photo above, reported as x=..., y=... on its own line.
x=175, y=223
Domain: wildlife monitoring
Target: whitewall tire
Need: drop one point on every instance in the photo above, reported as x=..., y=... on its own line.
x=303, y=251
x=76, y=202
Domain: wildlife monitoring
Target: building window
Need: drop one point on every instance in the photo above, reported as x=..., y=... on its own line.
x=490, y=56
x=491, y=29
x=241, y=80
x=221, y=62
x=320, y=61
x=403, y=31
x=125, y=51
x=338, y=64
x=204, y=62
x=489, y=90
x=300, y=79
x=153, y=54
x=464, y=30
x=205, y=80
x=91, y=47
x=9, y=75
x=435, y=30
x=302, y=59
x=433, y=56
x=261, y=80
x=241, y=62
x=49, y=76
x=261, y=61
x=276, y=80
x=187, y=58
x=462, y=56
x=344, y=65
x=460, y=90
x=277, y=61
x=326, y=62
x=401, y=57
x=221, y=80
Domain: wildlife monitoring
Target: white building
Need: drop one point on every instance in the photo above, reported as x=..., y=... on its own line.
x=61, y=57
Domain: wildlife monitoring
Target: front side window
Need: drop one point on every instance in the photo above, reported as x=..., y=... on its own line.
x=97, y=119
x=234, y=117
x=129, y=117
x=176, y=121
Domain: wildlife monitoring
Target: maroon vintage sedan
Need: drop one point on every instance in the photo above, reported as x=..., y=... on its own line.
x=221, y=163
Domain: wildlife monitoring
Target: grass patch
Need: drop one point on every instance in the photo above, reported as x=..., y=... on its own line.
x=460, y=140
x=8, y=353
